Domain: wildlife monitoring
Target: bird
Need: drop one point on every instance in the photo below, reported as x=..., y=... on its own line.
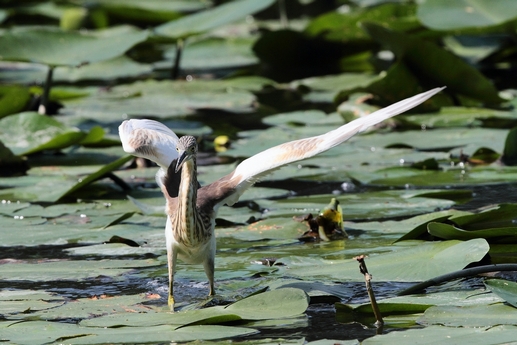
x=191, y=209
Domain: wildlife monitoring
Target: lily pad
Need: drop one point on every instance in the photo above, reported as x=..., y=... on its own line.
x=214, y=53
x=449, y=232
x=275, y=304
x=447, y=335
x=163, y=99
x=414, y=304
x=30, y=132
x=37, y=331
x=469, y=316
x=55, y=186
x=503, y=288
x=372, y=205
x=421, y=262
x=69, y=270
x=444, y=15
x=436, y=64
x=212, y=18
x=107, y=70
x=55, y=47
x=13, y=99
x=20, y=301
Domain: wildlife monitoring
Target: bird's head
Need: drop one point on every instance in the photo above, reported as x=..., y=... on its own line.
x=187, y=150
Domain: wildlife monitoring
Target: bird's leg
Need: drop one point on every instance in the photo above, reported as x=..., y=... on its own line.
x=209, y=270
x=171, y=261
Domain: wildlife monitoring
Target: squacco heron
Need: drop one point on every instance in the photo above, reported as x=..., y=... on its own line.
x=191, y=209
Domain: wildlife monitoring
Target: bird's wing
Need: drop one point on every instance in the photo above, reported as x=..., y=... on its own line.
x=149, y=139
x=228, y=189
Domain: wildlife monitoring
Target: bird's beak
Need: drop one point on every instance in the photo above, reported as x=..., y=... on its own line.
x=181, y=159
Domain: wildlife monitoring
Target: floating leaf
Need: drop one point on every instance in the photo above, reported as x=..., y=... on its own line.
x=446, y=15
x=37, y=331
x=215, y=53
x=69, y=270
x=469, y=316
x=107, y=70
x=13, y=99
x=27, y=133
x=434, y=63
x=164, y=99
x=509, y=156
x=421, y=262
x=276, y=304
x=149, y=11
x=449, y=232
x=344, y=27
x=507, y=290
x=55, y=47
x=212, y=18
x=447, y=336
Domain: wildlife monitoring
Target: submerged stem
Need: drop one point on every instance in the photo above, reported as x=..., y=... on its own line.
x=283, y=14
x=43, y=106
x=177, y=59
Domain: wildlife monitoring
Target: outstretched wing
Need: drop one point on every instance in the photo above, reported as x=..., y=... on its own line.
x=228, y=189
x=154, y=141
x=149, y=139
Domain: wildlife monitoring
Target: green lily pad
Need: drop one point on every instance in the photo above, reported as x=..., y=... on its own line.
x=449, y=232
x=55, y=47
x=275, y=304
x=344, y=27
x=212, y=18
x=273, y=228
x=422, y=221
x=372, y=205
x=458, y=177
x=111, y=249
x=69, y=270
x=148, y=12
x=444, y=15
x=338, y=82
x=421, y=262
x=449, y=117
x=13, y=99
x=502, y=215
x=447, y=335
x=436, y=64
x=503, y=288
x=20, y=301
x=30, y=132
x=55, y=186
x=469, y=316
x=510, y=151
x=107, y=70
x=35, y=332
x=214, y=53
x=414, y=304
x=163, y=99
x=83, y=308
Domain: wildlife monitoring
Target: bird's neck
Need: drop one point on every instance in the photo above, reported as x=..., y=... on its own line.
x=187, y=214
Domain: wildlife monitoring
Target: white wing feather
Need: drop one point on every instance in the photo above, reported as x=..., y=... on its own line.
x=252, y=169
x=149, y=139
